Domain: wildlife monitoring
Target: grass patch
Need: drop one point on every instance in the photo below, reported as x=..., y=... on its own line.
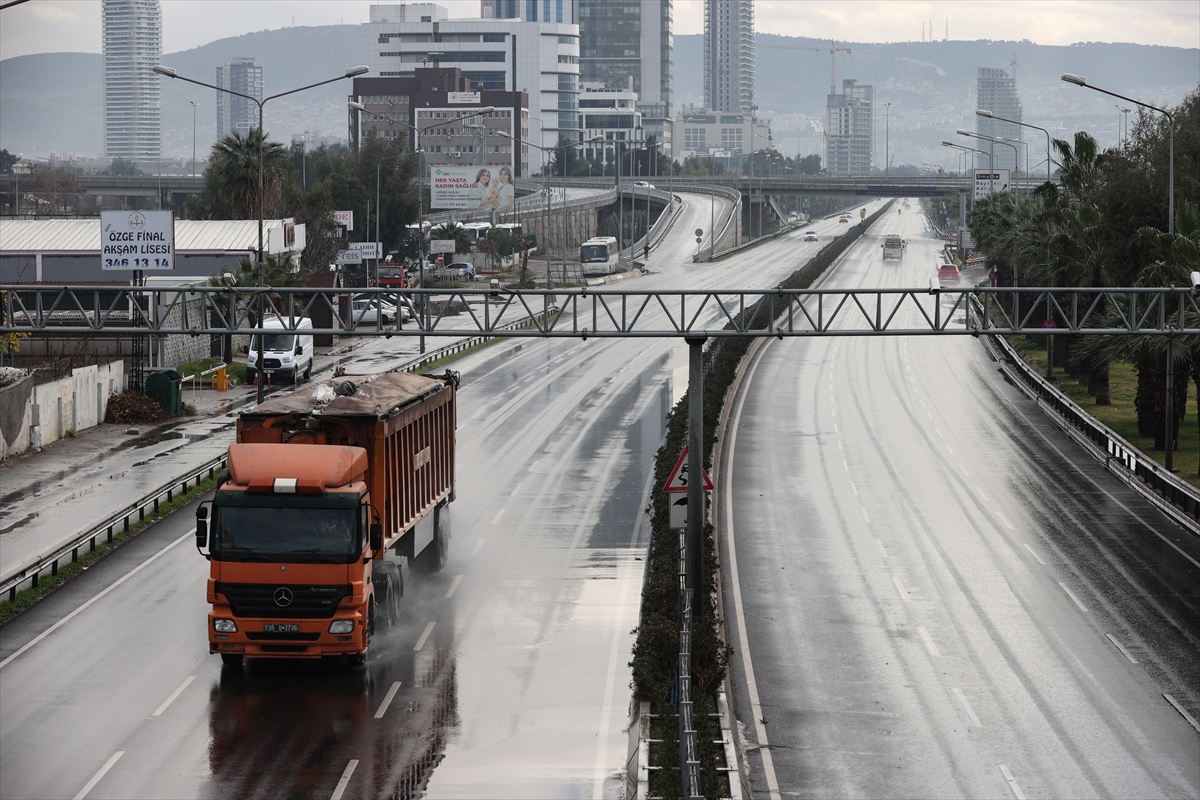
x=1121, y=416
x=48, y=583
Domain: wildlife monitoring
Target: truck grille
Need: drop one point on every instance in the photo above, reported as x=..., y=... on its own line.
x=282, y=601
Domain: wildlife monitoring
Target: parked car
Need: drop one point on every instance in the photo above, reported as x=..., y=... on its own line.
x=948, y=275
x=461, y=270
x=366, y=309
x=810, y=236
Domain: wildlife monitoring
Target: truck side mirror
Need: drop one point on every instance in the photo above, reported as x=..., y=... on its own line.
x=376, y=536
x=201, y=527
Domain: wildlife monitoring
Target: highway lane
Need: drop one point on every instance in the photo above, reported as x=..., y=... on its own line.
x=511, y=679
x=941, y=596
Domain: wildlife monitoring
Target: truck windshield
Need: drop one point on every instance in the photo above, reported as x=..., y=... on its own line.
x=273, y=343
x=294, y=535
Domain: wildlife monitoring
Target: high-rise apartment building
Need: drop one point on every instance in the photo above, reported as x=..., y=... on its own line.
x=729, y=55
x=997, y=92
x=621, y=42
x=132, y=32
x=529, y=10
x=237, y=113
x=501, y=54
x=849, y=130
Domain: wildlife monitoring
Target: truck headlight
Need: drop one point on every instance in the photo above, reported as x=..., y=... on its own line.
x=224, y=626
x=341, y=626
x=287, y=359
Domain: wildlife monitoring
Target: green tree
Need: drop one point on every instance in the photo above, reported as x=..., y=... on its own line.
x=232, y=177
x=123, y=166
x=452, y=230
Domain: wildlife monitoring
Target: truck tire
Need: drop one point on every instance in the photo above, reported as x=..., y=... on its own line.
x=359, y=659
x=433, y=558
x=231, y=659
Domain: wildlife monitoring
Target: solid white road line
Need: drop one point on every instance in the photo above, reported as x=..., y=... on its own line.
x=760, y=730
x=478, y=545
x=1012, y=783
x=158, y=711
x=1190, y=719
x=340, y=789
x=454, y=584
x=1121, y=647
x=614, y=658
x=96, y=778
x=89, y=603
x=899, y=587
x=962, y=698
x=387, y=700
x=1071, y=594
x=928, y=640
x=1035, y=555
x=498, y=516
x=421, y=642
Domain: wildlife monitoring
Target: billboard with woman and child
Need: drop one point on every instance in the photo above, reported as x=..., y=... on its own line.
x=472, y=188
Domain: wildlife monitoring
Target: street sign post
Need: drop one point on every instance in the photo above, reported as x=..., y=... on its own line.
x=678, y=482
x=137, y=240
x=349, y=257
x=366, y=249
x=442, y=246
x=988, y=181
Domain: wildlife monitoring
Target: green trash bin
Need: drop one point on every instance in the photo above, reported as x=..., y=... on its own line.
x=166, y=387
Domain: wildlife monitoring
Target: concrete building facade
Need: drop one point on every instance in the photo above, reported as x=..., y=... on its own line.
x=498, y=54
x=440, y=101
x=713, y=133
x=849, y=131
x=997, y=92
x=729, y=56
x=237, y=113
x=132, y=46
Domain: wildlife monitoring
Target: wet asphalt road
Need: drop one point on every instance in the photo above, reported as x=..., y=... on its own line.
x=941, y=596
x=508, y=676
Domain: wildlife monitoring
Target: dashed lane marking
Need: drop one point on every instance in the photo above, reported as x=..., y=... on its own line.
x=1121, y=647
x=864, y=513
x=500, y=514
x=454, y=584
x=478, y=545
x=962, y=699
x=158, y=711
x=845, y=466
x=387, y=700
x=96, y=778
x=853, y=488
x=1071, y=595
x=1183, y=711
x=882, y=549
x=1035, y=555
x=900, y=588
x=340, y=789
x=421, y=642
x=928, y=640
x=1012, y=783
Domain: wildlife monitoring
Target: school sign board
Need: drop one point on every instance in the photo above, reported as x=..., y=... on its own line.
x=990, y=180
x=137, y=240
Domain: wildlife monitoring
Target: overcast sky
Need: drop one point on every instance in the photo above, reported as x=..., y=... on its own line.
x=41, y=26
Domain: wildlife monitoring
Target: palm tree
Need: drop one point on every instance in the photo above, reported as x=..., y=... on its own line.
x=233, y=169
x=452, y=230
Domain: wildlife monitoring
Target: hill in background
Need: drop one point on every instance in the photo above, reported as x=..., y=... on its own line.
x=53, y=103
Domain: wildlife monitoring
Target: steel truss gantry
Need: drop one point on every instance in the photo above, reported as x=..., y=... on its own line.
x=605, y=313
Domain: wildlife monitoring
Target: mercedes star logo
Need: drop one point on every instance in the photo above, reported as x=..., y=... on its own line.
x=283, y=597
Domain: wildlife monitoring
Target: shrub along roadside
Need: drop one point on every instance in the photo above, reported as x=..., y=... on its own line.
x=656, y=648
x=47, y=584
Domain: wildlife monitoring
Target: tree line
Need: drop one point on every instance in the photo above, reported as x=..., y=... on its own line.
x=1106, y=227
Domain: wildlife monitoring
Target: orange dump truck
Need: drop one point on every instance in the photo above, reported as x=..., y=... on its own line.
x=332, y=491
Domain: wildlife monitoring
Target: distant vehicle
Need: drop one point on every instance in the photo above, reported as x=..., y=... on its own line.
x=893, y=247
x=477, y=231
x=643, y=184
x=461, y=270
x=392, y=276
x=810, y=236
x=948, y=275
x=286, y=356
x=598, y=256
x=329, y=495
x=844, y=219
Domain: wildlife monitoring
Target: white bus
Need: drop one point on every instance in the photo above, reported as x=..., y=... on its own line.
x=477, y=230
x=598, y=256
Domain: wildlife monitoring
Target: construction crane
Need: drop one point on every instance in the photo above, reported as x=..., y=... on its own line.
x=833, y=51
x=1012, y=61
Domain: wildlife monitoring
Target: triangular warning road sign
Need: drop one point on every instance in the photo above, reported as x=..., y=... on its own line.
x=678, y=482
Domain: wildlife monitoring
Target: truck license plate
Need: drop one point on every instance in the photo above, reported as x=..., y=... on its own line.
x=282, y=627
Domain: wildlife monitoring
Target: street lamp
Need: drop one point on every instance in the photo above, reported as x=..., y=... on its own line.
x=350, y=73
x=193, y=102
x=1079, y=81
x=983, y=112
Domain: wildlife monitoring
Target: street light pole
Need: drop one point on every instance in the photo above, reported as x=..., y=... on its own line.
x=1079, y=81
x=193, y=102
x=887, y=145
x=350, y=73
x=973, y=135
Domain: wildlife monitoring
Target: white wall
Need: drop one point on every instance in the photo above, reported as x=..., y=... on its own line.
x=51, y=409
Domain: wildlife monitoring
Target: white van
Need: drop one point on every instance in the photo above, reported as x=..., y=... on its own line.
x=286, y=356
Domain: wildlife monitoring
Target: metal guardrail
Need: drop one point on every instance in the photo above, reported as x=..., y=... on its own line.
x=31, y=572
x=1175, y=497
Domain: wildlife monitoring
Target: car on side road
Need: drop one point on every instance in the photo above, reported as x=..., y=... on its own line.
x=643, y=184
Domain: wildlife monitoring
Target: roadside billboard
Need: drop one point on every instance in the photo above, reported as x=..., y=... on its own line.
x=137, y=240
x=990, y=180
x=470, y=188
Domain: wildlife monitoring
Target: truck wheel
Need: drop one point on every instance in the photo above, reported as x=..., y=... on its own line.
x=308, y=370
x=358, y=659
x=231, y=659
